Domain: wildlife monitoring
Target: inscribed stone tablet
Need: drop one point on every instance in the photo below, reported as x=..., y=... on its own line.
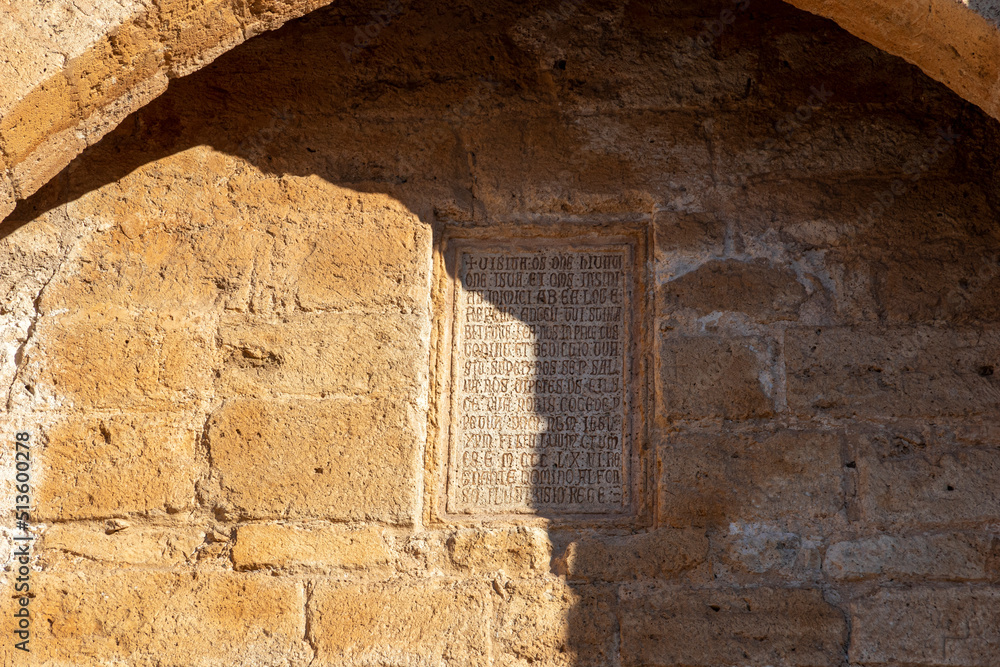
x=541, y=364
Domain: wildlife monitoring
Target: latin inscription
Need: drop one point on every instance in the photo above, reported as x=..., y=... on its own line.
x=541, y=366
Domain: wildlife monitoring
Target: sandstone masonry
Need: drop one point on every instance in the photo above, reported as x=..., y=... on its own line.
x=222, y=326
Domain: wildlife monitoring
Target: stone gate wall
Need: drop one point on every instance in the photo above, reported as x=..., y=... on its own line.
x=223, y=329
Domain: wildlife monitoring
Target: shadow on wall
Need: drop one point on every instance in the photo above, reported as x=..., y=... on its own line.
x=546, y=362
x=402, y=132
x=420, y=101
x=476, y=114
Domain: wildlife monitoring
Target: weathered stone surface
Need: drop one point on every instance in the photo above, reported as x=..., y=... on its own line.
x=958, y=486
x=789, y=144
x=281, y=206
x=708, y=377
x=956, y=626
x=892, y=372
x=140, y=545
x=540, y=173
x=116, y=466
x=514, y=551
x=27, y=264
x=656, y=554
x=762, y=292
x=326, y=459
x=552, y=622
x=109, y=59
x=173, y=259
x=946, y=556
x=781, y=477
x=748, y=552
x=691, y=234
x=914, y=475
x=322, y=354
x=173, y=619
x=417, y=623
x=147, y=361
x=260, y=546
x=392, y=273
x=287, y=257
x=934, y=271
x=772, y=626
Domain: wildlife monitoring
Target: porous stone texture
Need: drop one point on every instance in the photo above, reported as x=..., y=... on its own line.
x=926, y=626
x=167, y=618
x=329, y=458
x=423, y=623
x=756, y=626
x=219, y=327
x=261, y=546
x=151, y=459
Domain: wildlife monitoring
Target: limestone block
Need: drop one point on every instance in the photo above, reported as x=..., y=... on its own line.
x=934, y=488
x=704, y=377
x=200, y=35
x=762, y=292
x=99, y=467
x=284, y=546
x=111, y=358
x=156, y=258
x=900, y=372
x=332, y=459
x=174, y=619
x=943, y=556
x=28, y=58
x=390, y=270
x=748, y=552
x=421, y=623
x=41, y=37
x=663, y=627
x=955, y=627
x=630, y=76
x=773, y=144
x=930, y=259
x=47, y=159
x=134, y=545
x=657, y=554
x=564, y=168
x=807, y=215
x=186, y=232
x=515, y=551
x=47, y=109
x=554, y=623
x=780, y=477
x=691, y=234
x=323, y=353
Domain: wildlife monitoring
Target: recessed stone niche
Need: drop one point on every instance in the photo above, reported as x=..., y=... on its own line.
x=541, y=359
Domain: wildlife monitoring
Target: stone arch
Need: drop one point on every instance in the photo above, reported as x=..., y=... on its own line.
x=952, y=41
x=73, y=76
x=932, y=260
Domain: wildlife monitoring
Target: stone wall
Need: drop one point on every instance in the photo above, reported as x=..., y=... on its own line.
x=220, y=328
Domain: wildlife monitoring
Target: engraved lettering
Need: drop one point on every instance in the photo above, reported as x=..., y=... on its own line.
x=541, y=356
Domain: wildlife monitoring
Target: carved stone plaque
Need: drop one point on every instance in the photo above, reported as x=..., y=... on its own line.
x=540, y=380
